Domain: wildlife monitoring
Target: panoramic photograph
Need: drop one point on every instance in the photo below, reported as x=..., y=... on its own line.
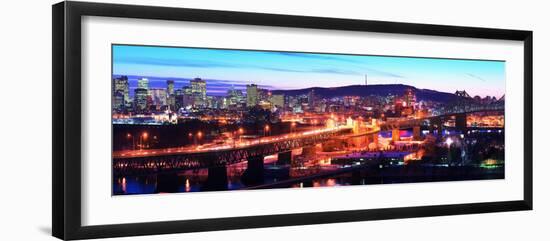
x=187, y=119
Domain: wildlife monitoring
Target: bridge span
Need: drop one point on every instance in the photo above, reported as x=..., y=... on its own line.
x=436, y=120
x=207, y=156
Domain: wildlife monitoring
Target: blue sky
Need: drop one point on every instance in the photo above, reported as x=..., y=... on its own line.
x=290, y=70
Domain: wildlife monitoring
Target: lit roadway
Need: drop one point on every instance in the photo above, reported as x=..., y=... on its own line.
x=233, y=144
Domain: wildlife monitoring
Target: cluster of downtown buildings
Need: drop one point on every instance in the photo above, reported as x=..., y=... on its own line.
x=192, y=100
x=149, y=105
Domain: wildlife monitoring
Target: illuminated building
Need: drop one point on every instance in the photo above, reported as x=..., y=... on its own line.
x=277, y=100
x=410, y=98
x=178, y=99
x=118, y=101
x=170, y=95
x=187, y=97
x=121, y=85
x=158, y=96
x=143, y=83
x=350, y=100
x=171, y=101
x=198, y=90
x=121, y=97
x=140, y=100
x=235, y=97
x=311, y=99
x=263, y=95
x=251, y=95
x=297, y=109
x=265, y=105
x=170, y=87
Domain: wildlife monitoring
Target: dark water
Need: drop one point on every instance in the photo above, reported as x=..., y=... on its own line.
x=356, y=169
x=186, y=182
x=276, y=176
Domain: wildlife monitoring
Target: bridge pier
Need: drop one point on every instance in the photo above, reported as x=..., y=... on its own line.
x=284, y=158
x=395, y=134
x=436, y=124
x=357, y=177
x=254, y=173
x=217, y=178
x=308, y=151
x=461, y=122
x=331, y=145
x=416, y=133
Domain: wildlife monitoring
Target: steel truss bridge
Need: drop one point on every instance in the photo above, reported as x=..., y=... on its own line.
x=177, y=161
x=441, y=115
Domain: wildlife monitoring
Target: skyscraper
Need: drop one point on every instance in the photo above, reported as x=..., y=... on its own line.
x=120, y=89
x=170, y=95
x=118, y=102
x=251, y=95
x=187, y=97
x=277, y=100
x=143, y=83
x=140, y=100
x=234, y=97
x=311, y=99
x=170, y=87
x=198, y=90
x=158, y=96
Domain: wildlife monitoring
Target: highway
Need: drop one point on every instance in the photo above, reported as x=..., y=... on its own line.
x=227, y=145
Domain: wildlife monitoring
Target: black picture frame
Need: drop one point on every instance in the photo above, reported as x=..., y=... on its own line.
x=66, y=127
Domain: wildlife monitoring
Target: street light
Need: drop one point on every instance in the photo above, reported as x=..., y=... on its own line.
x=199, y=135
x=241, y=132
x=129, y=136
x=266, y=129
x=144, y=136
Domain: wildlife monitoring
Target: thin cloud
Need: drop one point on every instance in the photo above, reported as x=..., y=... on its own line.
x=321, y=71
x=315, y=56
x=334, y=58
x=335, y=71
x=476, y=77
x=217, y=64
x=176, y=62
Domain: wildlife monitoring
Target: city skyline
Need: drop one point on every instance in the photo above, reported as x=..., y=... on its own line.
x=194, y=120
x=289, y=70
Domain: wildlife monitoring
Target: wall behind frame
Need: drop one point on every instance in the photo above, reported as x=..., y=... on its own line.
x=26, y=58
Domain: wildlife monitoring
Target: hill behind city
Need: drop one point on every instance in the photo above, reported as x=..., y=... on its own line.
x=377, y=90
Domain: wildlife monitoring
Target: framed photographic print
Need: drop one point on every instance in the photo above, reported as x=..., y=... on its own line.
x=171, y=120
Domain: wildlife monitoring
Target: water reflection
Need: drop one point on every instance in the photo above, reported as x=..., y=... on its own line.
x=307, y=171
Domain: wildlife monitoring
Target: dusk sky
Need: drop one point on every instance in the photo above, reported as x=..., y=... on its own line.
x=290, y=70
